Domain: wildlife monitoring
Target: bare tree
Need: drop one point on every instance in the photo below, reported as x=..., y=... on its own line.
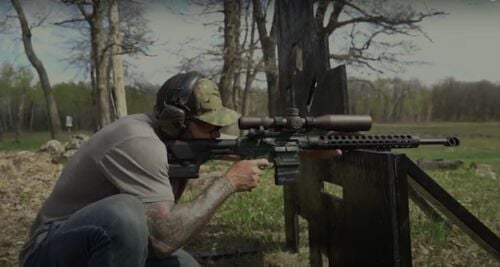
x=118, y=94
x=231, y=55
x=241, y=60
x=18, y=124
x=268, y=44
x=367, y=26
x=1, y=130
x=94, y=15
x=54, y=119
x=251, y=68
x=125, y=33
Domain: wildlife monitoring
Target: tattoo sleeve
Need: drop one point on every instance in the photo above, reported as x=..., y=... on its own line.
x=172, y=225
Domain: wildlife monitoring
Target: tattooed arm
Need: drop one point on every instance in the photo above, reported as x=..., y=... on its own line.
x=172, y=225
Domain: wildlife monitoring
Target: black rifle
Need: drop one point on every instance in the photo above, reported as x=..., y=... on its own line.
x=280, y=139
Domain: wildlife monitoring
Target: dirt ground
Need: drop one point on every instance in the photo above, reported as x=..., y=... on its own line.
x=25, y=181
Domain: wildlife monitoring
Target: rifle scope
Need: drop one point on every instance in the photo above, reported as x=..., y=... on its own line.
x=292, y=121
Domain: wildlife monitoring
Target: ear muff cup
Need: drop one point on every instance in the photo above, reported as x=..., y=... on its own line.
x=174, y=115
x=178, y=89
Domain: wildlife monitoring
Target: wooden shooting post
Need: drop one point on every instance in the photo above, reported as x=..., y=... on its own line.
x=357, y=206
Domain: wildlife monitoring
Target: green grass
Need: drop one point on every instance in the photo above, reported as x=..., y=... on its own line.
x=479, y=142
x=30, y=141
x=461, y=129
x=255, y=219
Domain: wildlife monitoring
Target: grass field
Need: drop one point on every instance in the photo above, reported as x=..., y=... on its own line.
x=30, y=140
x=480, y=142
x=250, y=225
x=255, y=220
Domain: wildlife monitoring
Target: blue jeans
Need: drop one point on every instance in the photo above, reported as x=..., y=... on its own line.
x=108, y=232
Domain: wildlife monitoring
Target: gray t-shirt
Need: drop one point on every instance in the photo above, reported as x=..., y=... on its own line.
x=124, y=157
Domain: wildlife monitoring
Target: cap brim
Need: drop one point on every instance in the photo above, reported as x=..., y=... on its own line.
x=222, y=117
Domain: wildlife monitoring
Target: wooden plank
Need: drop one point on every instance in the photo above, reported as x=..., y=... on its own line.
x=371, y=224
x=330, y=96
x=303, y=56
x=425, y=207
x=291, y=218
x=453, y=210
x=290, y=17
x=309, y=193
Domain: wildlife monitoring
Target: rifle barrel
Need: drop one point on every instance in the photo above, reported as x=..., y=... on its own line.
x=448, y=141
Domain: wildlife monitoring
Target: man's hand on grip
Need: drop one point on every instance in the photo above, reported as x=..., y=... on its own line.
x=245, y=174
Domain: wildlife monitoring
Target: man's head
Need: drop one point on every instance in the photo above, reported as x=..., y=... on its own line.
x=190, y=102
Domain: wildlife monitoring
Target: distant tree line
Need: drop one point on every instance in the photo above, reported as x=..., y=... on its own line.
x=100, y=32
x=396, y=100
x=22, y=105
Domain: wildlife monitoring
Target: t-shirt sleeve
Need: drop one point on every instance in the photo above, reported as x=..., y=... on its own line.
x=139, y=166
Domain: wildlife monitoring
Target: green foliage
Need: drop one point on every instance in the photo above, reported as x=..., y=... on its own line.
x=141, y=98
x=15, y=85
x=258, y=105
x=75, y=100
x=436, y=231
x=257, y=210
x=395, y=100
x=30, y=141
x=479, y=142
x=466, y=101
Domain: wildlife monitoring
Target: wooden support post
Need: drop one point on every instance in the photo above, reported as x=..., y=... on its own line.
x=369, y=225
x=453, y=210
x=425, y=207
x=291, y=218
x=303, y=60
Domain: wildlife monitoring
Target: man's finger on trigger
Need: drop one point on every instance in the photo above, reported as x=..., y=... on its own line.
x=263, y=163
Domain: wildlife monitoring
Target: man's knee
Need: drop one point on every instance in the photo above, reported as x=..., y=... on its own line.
x=127, y=214
x=111, y=227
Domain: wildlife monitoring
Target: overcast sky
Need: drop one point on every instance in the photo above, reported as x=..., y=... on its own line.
x=465, y=44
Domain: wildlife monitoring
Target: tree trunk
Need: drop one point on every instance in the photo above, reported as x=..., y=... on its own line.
x=98, y=53
x=116, y=61
x=93, y=94
x=32, y=115
x=1, y=129
x=109, y=85
x=19, y=116
x=268, y=43
x=232, y=13
x=53, y=113
x=428, y=114
x=250, y=75
x=10, y=120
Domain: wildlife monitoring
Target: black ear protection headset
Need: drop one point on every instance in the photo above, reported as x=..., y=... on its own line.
x=174, y=111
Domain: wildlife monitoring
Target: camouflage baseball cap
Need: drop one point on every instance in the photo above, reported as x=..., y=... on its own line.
x=206, y=105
